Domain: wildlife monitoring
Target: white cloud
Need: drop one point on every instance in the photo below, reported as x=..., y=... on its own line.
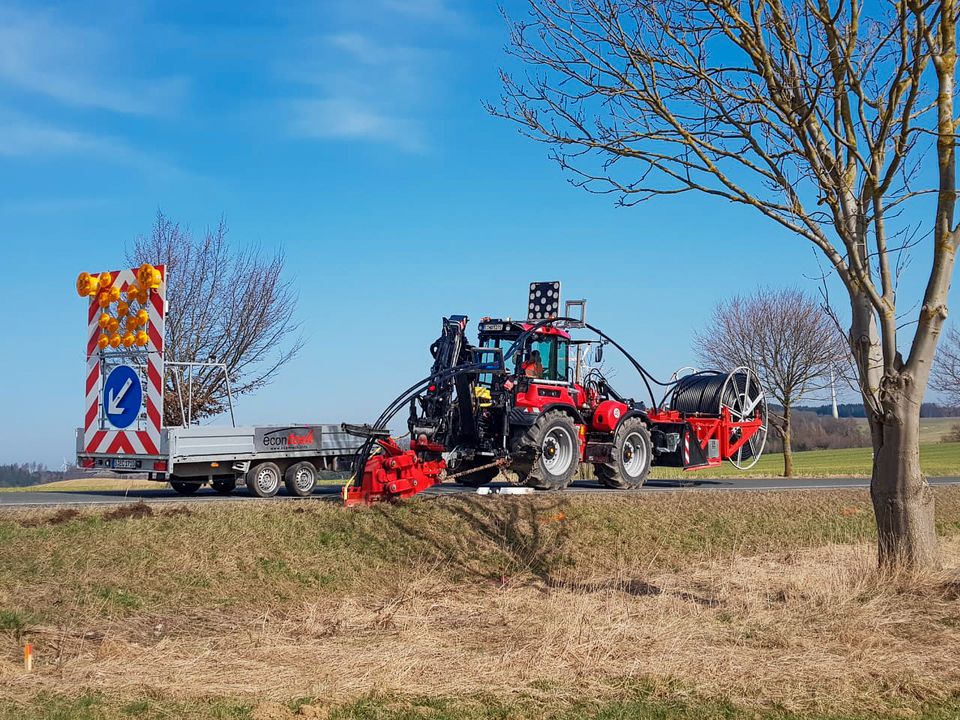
x=44, y=55
x=363, y=90
x=26, y=137
x=379, y=85
x=349, y=119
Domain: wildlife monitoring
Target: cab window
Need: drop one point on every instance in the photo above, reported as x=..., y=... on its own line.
x=510, y=363
x=553, y=355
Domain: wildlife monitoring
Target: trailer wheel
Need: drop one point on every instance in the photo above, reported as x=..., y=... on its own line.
x=225, y=486
x=632, y=452
x=184, y=488
x=263, y=480
x=549, y=452
x=300, y=479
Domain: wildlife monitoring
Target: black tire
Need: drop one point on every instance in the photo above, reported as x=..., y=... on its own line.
x=300, y=479
x=632, y=453
x=224, y=486
x=478, y=478
x=184, y=488
x=548, y=452
x=264, y=479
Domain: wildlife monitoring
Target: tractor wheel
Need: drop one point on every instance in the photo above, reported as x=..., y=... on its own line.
x=548, y=451
x=632, y=452
x=263, y=480
x=184, y=488
x=300, y=479
x=224, y=486
x=476, y=479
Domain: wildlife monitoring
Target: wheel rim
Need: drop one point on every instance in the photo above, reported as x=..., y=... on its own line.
x=634, y=455
x=748, y=403
x=267, y=480
x=303, y=479
x=556, y=451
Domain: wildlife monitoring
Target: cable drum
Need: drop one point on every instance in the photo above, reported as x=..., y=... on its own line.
x=739, y=391
x=701, y=393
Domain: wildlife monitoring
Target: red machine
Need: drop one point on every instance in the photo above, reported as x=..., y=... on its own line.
x=525, y=398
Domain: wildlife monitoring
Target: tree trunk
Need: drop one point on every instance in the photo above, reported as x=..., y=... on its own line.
x=903, y=501
x=787, y=444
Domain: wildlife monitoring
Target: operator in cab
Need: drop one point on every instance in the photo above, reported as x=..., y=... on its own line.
x=534, y=366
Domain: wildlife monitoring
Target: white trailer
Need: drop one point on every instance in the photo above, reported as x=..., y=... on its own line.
x=263, y=457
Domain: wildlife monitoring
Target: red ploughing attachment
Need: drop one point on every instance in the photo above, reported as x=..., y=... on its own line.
x=393, y=474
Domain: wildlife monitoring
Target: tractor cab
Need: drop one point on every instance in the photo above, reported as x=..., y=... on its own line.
x=544, y=356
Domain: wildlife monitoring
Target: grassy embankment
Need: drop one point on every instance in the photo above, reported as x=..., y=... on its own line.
x=692, y=605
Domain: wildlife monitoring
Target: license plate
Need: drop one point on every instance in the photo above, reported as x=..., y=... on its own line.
x=124, y=464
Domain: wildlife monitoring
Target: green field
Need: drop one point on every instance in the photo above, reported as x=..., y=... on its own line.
x=88, y=484
x=938, y=460
x=932, y=430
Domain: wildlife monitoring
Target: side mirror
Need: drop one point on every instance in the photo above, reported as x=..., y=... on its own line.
x=598, y=354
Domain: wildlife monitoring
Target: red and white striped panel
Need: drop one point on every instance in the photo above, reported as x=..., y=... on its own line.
x=144, y=437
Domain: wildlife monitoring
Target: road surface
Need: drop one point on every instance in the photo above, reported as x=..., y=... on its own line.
x=162, y=494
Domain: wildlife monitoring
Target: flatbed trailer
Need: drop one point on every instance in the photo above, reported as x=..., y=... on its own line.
x=264, y=457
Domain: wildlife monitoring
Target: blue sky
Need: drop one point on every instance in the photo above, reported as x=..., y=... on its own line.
x=352, y=135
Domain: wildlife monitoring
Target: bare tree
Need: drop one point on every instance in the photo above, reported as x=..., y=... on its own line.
x=815, y=113
x=787, y=338
x=225, y=305
x=946, y=370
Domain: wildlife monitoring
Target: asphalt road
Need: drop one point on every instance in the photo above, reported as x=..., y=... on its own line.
x=162, y=494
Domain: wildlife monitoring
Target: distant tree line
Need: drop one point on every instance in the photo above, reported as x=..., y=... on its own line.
x=19, y=475
x=813, y=431
x=856, y=410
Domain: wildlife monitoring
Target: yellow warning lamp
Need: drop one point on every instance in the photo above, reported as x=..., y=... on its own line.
x=132, y=322
x=87, y=284
x=103, y=299
x=122, y=309
x=115, y=340
x=143, y=297
x=142, y=339
x=148, y=277
x=103, y=341
x=113, y=324
x=128, y=339
x=114, y=294
x=143, y=317
x=104, y=321
x=106, y=280
x=133, y=292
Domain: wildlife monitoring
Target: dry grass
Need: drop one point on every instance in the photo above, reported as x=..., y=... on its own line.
x=766, y=600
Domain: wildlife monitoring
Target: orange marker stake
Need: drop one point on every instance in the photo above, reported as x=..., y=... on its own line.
x=28, y=657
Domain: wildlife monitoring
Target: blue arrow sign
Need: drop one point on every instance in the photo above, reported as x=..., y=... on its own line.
x=122, y=396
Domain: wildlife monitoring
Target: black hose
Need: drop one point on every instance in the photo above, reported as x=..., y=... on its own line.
x=363, y=454
x=706, y=392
